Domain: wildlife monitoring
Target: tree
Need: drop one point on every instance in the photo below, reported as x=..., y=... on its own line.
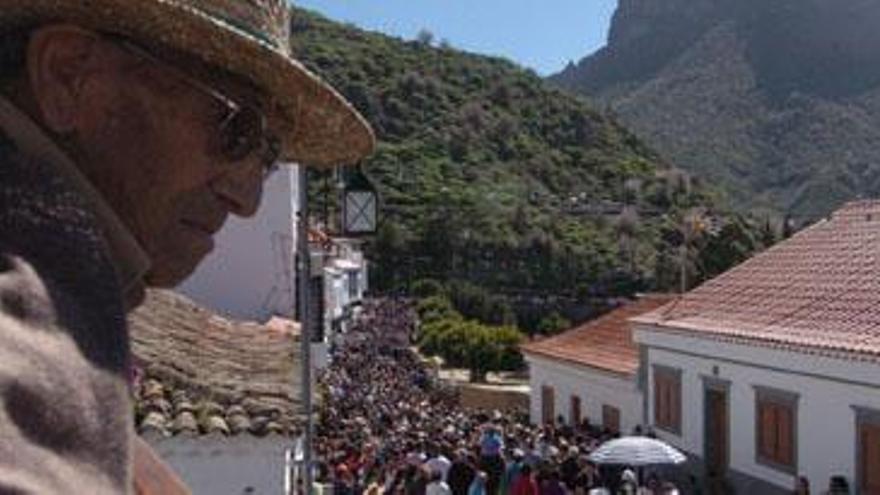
x=627, y=227
x=436, y=308
x=553, y=324
x=733, y=244
x=425, y=37
x=427, y=287
x=768, y=234
x=389, y=246
x=472, y=345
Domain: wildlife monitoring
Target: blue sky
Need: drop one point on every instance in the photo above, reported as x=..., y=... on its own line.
x=543, y=35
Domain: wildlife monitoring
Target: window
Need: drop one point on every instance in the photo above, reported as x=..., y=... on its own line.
x=776, y=429
x=575, y=415
x=611, y=418
x=547, y=407
x=353, y=285
x=667, y=399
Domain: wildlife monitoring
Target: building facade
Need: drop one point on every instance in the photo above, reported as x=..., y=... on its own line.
x=339, y=285
x=771, y=371
x=765, y=413
x=590, y=372
x=249, y=275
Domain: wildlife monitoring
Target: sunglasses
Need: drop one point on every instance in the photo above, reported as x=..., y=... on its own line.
x=242, y=130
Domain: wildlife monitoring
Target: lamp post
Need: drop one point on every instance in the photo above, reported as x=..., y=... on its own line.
x=359, y=214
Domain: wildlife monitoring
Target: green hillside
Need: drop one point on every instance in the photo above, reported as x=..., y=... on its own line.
x=489, y=175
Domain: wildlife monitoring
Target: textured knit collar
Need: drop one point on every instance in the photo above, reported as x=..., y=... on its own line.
x=129, y=259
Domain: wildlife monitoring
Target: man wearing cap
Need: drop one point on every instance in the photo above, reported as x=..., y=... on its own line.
x=129, y=131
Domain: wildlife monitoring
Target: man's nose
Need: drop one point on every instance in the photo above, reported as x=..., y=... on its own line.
x=242, y=188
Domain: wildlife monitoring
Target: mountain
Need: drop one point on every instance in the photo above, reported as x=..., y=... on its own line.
x=778, y=101
x=490, y=175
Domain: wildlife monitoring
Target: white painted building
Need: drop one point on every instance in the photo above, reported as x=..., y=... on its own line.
x=249, y=275
x=339, y=278
x=772, y=370
x=590, y=372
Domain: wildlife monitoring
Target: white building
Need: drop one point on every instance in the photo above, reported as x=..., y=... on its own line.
x=772, y=370
x=249, y=275
x=339, y=280
x=590, y=372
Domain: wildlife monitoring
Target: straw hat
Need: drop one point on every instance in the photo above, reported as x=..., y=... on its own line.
x=245, y=37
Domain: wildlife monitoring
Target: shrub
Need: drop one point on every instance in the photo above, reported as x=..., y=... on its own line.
x=427, y=287
x=472, y=345
x=435, y=308
x=553, y=324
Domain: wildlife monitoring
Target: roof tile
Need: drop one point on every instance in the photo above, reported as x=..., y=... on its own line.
x=604, y=343
x=820, y=289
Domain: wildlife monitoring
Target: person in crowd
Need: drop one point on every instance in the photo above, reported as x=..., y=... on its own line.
x=652, y=486
x=513, y=469
x=438, y=485
x=668, y=488
x=570, y=467
x=344, y=484
x=491, y=462
x=838, y=485
x=437, y=462
x=461, y=473
x=525, y=483
x=629, y=483
x=801, y=486
x=586, y=478
x=478, y=485
x=551, y=483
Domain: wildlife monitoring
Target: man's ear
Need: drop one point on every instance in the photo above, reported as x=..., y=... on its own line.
x=59, y=60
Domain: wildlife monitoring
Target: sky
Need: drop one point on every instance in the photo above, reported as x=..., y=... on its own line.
x=540, y=34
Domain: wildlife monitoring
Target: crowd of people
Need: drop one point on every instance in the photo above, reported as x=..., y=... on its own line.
x=387, y=426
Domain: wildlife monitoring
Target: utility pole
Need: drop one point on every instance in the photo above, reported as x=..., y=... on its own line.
x=684, y=254
x=303, y=274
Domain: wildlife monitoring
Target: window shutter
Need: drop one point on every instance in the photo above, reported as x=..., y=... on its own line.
x=675, y=419
x=785, y=446
x=767, y=434
x=667, y=416
x=659, y=402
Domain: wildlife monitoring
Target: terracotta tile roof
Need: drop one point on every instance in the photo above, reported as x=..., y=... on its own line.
x=203, y=374
x=819, y=289
x=604, y=343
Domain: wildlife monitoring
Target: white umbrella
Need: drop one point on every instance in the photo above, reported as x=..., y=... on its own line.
x=636, y=451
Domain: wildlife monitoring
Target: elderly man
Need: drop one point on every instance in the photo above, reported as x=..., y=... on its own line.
x=129, y=130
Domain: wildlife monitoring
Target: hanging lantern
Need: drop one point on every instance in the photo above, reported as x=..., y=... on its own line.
x=360, y=204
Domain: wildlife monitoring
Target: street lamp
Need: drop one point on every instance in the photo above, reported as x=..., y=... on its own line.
x=360, y=204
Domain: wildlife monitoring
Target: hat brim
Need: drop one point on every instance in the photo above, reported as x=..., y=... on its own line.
x=317, y=126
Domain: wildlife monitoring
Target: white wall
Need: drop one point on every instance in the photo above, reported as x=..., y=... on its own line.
x=828, y=390
x=248, y=276
x=593, y=386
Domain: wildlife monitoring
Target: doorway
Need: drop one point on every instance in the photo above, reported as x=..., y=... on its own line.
x=717, y=430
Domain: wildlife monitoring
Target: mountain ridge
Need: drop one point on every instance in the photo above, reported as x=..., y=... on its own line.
x=776, y=101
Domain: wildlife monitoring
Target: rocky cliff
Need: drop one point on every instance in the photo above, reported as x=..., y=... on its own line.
x=779, y=101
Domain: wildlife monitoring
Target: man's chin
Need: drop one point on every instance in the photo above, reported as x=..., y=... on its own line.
x=168, y=271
